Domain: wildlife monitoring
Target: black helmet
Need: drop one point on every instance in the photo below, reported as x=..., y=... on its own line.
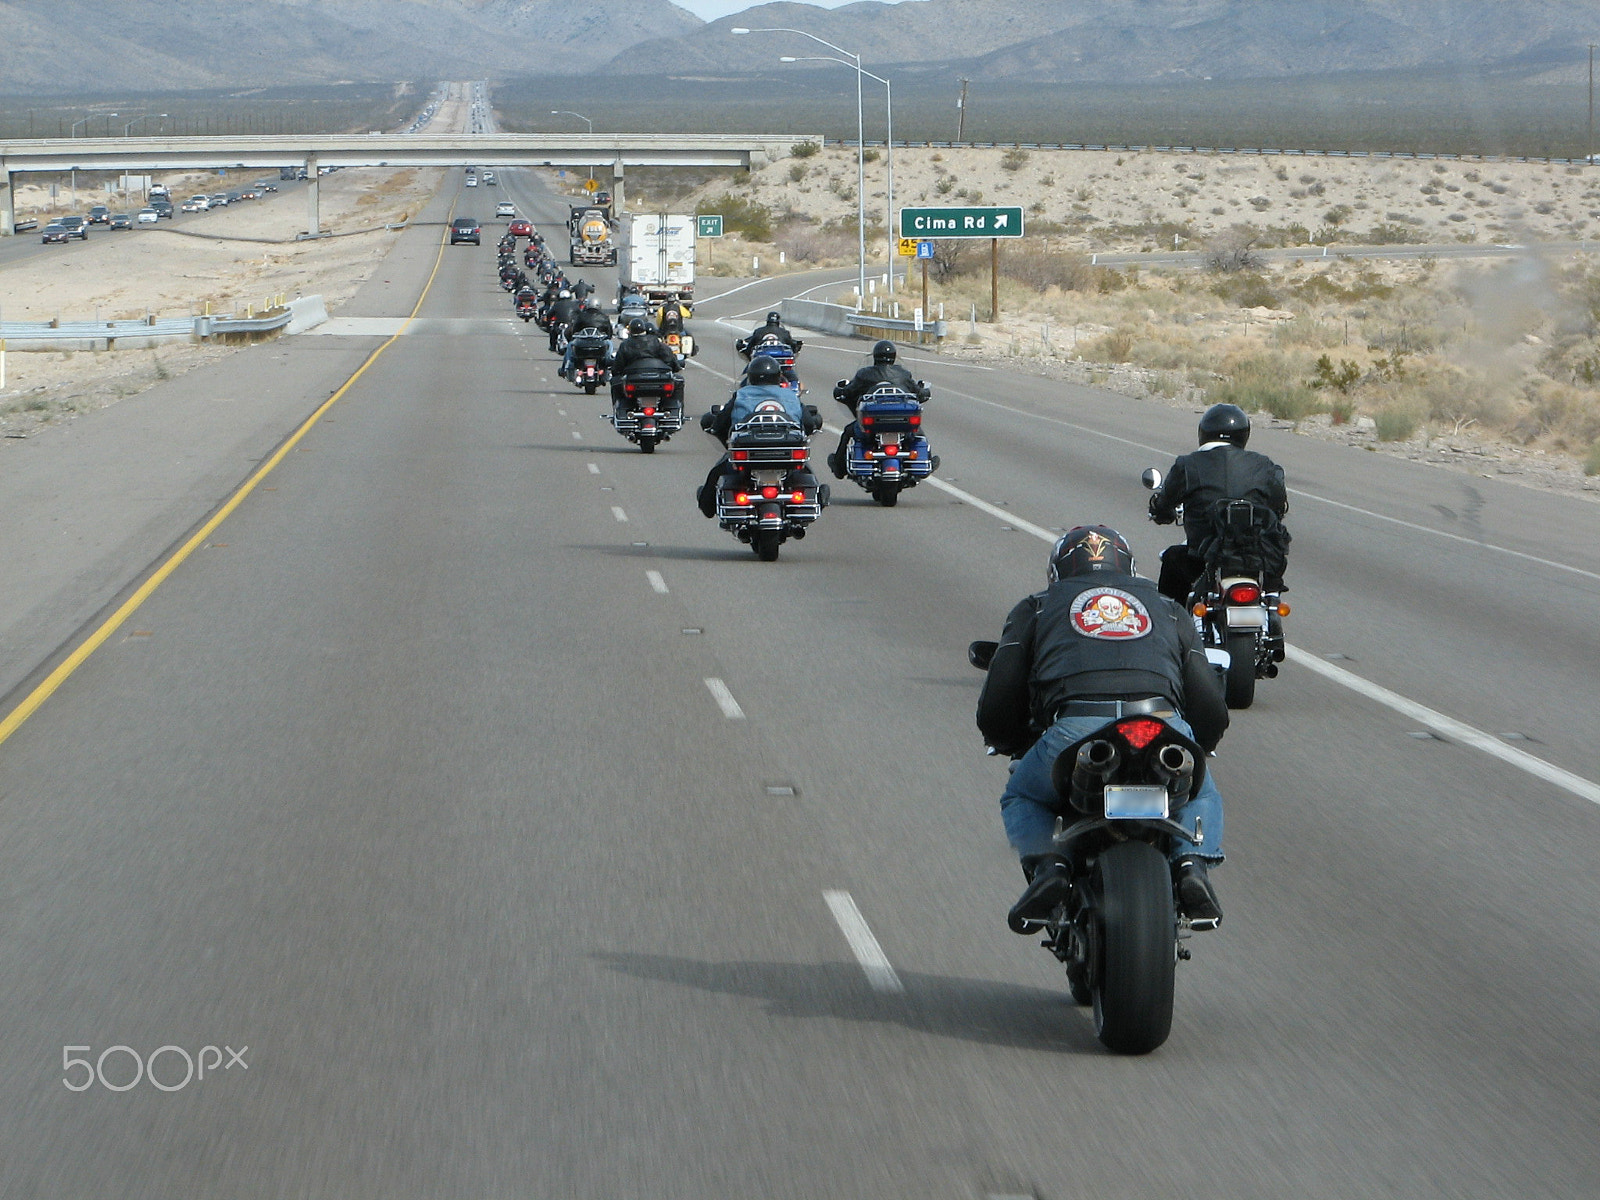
x=774, y=319
x=637, y=325
x=1090, y=548
x=883, y=353
x=764, y=369
x=1225, y=423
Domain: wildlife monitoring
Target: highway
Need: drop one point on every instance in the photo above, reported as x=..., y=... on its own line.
x=535, y=838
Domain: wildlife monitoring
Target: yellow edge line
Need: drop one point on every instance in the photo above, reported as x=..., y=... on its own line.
x=15, y=718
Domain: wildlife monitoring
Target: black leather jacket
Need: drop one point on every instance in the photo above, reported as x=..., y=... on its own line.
x=1217, y=471
x=871, y=377
x=1100, y=636
x=643, y=351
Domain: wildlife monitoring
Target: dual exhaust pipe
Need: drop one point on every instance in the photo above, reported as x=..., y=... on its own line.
x=1173, y=765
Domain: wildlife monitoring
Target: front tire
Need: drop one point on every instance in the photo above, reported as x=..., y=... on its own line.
x=1241, y=681
x=1137, y=948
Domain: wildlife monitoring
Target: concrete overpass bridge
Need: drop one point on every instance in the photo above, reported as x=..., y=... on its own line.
x=615, y=150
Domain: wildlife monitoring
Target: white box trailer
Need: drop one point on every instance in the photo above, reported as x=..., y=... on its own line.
x=661, y=256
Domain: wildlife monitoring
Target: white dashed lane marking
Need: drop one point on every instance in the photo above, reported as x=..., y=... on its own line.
x=724, y=698
x=656, y=582
x=880, y=973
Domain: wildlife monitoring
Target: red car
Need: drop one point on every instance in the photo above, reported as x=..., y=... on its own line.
x=521, y=227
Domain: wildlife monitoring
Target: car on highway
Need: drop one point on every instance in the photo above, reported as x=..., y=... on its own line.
x=521, y=227
x=158, y=191
x=99, y=215
x=466, y=229
x=265, y=186
x=505, y=209
x=219, y=200
x=488, y=178
x=250, y=193
x=197, y=204
x=78, y=227
x=163, y=208
x=121, y=221
x=147, y=216
x=472, y=181
x=55, y=233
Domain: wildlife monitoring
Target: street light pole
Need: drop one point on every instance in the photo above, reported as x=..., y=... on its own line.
x=1590, y=159
x=563, y=112
x=73, y=132
x=861, y=162
x=888, y=98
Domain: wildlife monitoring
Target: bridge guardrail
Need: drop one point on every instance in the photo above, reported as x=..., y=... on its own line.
x=57, y=335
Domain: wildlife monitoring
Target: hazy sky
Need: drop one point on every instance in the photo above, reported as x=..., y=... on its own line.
x=711, y=9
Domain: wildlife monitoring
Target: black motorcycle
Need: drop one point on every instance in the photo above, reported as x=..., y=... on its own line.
x=1120, y=930
x=589, y=354
x=1234, y=611
x=647, y=406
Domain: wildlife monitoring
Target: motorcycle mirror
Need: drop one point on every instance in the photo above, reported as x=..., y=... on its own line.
x=1151, y=478
x=981, y=654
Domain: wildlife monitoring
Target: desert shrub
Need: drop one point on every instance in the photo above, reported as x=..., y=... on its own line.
x=740, y=215
x=805, y=149
x=1062, y=269
x=1165, y=353
x=1234, y=250
x=870, y=155
x=1591, y=465
x=1463, y=399
x=1115, y=346
x=1267, y=382
x=1246, y=290
x=1013, y=159
x=1389, y=233
x=945, y=184
x=1396, y=423
x=808, y=243
x=1339, y=378
x=797, y=173
x=1560, y=409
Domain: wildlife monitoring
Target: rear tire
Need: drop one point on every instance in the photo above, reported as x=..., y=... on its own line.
x=886, y=493
x=765, y=544
x=1137, y=948
x=590, y=387
x=1241, y=681
x=647, y=445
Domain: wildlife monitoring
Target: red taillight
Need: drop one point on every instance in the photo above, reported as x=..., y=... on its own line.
x=740, y=455
x=1140, y=733
x=741, y=498
x=915, y=419
x=649, y=412
x=666, y=388
x=629, y=388
x=891, y=451
x=770, y=492
x=798, y=455
x=866, y=422
x=1244, y=593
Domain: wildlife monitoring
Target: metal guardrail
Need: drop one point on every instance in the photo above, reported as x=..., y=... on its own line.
x=198, y=328
x=23, y=226
x=1137, y=148
x=847, y=322
x=874, y=325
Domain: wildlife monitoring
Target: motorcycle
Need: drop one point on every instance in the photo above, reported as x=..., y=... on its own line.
x=773, y=496
x=525, y=307
x=647, y=406
x=888, y=453
x=782, y=353
x=1233, y=612
x=589, y=352
x=1120, y=930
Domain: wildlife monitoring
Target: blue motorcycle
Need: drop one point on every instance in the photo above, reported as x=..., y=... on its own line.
x=888, y=452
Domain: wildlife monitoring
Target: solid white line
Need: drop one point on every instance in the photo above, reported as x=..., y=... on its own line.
x=1448, y=727
x=618, y=513
x=880, y=973
x=594, y=468
x=724, y=698
x=658, y=583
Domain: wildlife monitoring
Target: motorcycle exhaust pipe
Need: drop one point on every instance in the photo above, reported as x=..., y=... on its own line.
x=1175, y=763
x=1096, y=760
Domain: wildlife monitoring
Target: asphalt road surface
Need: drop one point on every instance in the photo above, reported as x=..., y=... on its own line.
x=536, y=840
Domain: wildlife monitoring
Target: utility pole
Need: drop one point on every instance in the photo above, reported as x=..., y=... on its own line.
x=1590, y=159
x=961, y=107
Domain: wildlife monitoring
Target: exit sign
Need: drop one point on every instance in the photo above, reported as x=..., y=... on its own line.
x=708, y=226
x=960, y=222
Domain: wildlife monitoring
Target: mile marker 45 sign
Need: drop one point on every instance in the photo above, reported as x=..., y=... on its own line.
x=961, y=222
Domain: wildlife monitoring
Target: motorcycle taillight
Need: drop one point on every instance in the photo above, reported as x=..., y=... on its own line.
x=666, y=388
x=1244, y=593
x=770, y=492
x=649, y=412
x=1141, y=731
x=629, y=388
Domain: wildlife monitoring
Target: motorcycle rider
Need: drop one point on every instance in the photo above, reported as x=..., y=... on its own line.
x=642, y=350
x=590, y=321
x=765, y=383
x=563, y=310
x=1057, y=677
x=883, y=370
x=773, y=329
x=1221, y=469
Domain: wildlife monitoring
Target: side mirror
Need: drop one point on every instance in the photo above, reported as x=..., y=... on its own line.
x=1151, y=478
x=981, y=654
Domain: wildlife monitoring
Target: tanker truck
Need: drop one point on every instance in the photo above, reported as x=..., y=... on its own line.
x=590, y=229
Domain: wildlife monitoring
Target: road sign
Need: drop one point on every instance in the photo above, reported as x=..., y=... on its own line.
x=908, y=247
x=708, y=225
x=961, y=222
x=591, y=185
x=924, y=249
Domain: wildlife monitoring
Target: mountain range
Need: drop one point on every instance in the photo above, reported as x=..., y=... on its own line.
x=64, y=46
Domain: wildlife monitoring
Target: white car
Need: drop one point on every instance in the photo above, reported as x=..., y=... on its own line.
x=148, y=216
x=158, y=191
x=196, y=204
x=472, y=181
x=505, y=210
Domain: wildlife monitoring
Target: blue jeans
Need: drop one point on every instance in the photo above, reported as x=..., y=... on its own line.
x=1026, y=804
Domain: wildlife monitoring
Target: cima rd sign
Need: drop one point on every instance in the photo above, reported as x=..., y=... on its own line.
x=961, y=222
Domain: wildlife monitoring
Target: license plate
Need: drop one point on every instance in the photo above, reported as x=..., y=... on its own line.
x=1253, y=617
x=1131, y=803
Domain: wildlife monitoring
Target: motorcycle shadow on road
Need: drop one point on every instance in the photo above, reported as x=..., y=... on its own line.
x=970, y=1010
x=734, y=553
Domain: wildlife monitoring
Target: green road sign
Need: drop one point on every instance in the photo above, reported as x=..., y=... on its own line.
x=960, y=222
x=708, y=226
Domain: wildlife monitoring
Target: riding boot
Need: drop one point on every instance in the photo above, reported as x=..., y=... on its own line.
x=1049, y=882
x=1196, y=896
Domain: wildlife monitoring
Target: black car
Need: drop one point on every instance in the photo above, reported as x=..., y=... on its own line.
x=163, y=208
x=55, y=233
x=99, y=215
x=465, y=229
x=122, y=220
